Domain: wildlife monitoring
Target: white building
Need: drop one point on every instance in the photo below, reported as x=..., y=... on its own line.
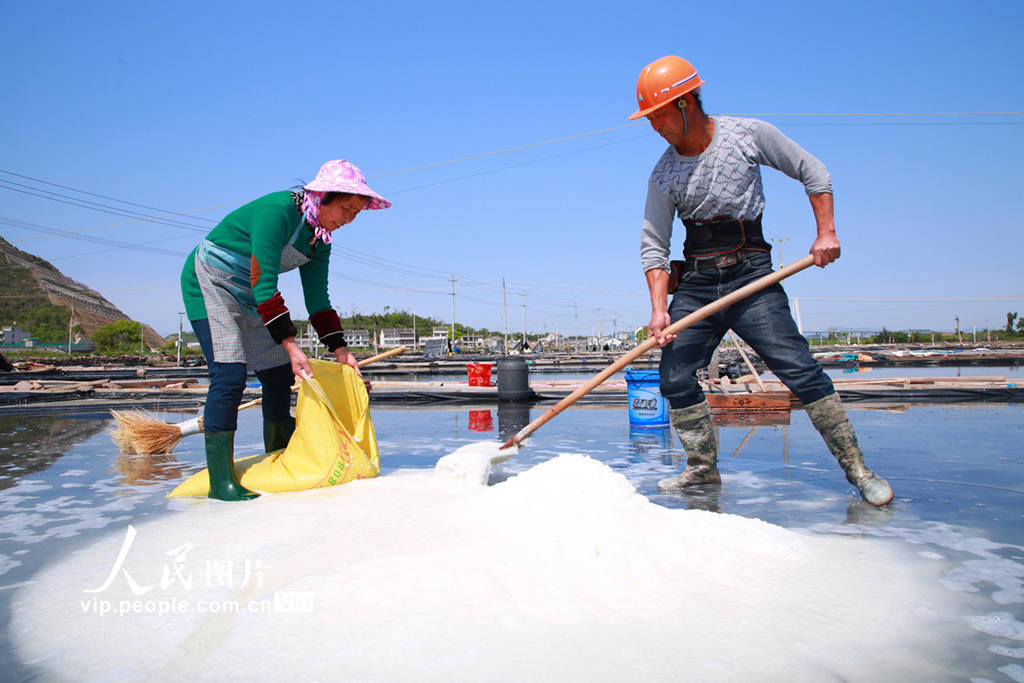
x=553, y=340
x=357, y=338
x=440, y=333
x=396, y=336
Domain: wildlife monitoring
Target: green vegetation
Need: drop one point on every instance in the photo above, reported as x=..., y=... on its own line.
x=1014, y=323
x=38, y=353
x=25, y=303
x=124, y=336
x=892, y=337
x=171, y=349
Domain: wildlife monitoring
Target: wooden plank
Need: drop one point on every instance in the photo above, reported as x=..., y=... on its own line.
x=152, y=383
x=753, y=401
x=919, y=380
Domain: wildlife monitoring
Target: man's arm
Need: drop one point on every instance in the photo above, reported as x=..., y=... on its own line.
x=657, y=283
x=774, y=149
x=655, y=238
x=826, y=246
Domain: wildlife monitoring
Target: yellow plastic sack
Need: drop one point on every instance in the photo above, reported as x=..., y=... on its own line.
x=333, y=443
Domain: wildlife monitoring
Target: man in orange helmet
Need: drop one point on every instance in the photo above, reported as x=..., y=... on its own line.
x=710, y=177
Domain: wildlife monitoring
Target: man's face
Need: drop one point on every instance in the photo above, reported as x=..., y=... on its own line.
x=668, y=123
x=341, y=211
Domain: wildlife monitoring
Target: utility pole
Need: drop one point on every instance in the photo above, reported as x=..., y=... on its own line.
x=576, y=306
x=452, y=337
x=71, y=322
x=414, y=329
x=956, y=318
x=780, y=241
x=180, y=313
x=522, y=298
x=600, y=328
x=504, y=299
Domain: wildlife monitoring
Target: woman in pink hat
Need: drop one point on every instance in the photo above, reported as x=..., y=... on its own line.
x=229, y=284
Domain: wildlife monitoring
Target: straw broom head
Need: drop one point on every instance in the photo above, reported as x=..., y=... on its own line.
x=143, y=433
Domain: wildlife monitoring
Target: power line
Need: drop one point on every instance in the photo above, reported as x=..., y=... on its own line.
x=518, y=148
x=94, y=206
x=23, y=225
x=507, y=149
x=889, y=298
x=510, y=166
x=92, y=194
x=912, y=123
x=882, y=113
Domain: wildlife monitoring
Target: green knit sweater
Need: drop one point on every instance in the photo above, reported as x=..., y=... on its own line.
x=260, y=230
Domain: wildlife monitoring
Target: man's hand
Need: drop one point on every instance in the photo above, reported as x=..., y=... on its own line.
x=343, y=356
x=300, y=364
x=825, y=249
x=659, y=321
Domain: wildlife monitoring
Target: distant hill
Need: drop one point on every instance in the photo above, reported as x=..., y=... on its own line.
x=40, y=299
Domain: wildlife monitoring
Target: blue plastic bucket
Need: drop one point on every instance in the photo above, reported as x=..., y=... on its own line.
x=647, y=407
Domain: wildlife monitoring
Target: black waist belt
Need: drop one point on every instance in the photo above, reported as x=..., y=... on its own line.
x=723, y=261
x=722, y=235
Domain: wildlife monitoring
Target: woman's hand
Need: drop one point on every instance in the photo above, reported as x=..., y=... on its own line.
x=300, y=364
x=343, y=356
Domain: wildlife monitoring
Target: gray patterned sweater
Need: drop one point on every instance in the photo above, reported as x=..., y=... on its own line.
x=724, y=180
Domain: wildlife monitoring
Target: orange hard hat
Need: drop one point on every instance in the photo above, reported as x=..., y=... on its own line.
x=663, y=81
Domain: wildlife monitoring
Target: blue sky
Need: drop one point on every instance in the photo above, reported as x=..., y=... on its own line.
x=183, y=106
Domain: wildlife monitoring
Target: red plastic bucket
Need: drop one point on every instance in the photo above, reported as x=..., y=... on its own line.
x=479, y=374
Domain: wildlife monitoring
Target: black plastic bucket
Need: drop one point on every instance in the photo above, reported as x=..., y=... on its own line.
x=513, y=380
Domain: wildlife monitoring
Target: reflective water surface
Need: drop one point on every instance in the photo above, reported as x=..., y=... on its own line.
x=958, y=473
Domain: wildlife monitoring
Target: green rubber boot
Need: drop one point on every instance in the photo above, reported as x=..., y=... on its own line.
x=277, y=434
x=829, y=417
x=220, y=451
x=693, y=426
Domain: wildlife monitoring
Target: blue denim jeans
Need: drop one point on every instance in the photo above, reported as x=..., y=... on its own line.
x=227, y=382
x=762, y=319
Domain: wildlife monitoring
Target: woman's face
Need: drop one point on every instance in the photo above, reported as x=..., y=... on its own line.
x=341, y=211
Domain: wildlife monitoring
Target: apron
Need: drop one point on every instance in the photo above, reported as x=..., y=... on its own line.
x=239, y=335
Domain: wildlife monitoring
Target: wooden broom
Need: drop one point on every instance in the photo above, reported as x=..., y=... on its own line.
x=140, y=432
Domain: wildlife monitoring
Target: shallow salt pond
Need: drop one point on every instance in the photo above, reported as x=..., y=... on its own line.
x=558, y=574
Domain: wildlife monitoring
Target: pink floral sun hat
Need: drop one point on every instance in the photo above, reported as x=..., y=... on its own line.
x=342, y=176
x=336, y=176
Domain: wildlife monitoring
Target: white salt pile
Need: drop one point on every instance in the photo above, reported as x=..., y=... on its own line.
x=560, y=573
x=475, y=462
